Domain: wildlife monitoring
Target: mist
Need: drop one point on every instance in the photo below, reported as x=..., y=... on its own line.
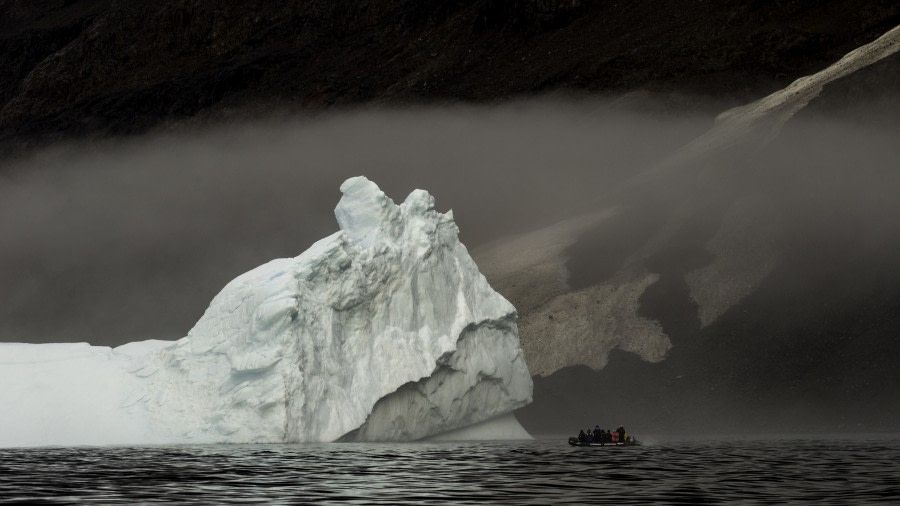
x=778, y=289
x=126, y=240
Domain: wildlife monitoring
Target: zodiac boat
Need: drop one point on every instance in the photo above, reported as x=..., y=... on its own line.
x=631, y=442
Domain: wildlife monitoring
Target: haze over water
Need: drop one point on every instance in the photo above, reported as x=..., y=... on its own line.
x=677, y=470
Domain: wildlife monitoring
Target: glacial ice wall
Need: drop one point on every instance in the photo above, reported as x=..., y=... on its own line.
x=385, y=330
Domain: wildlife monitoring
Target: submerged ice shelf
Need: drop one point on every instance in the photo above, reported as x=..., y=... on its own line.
x=385, y=330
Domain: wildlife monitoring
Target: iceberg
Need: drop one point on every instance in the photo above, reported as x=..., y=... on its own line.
x=385, y=330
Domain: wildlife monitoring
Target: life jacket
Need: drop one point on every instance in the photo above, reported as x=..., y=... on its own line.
x=615, y=437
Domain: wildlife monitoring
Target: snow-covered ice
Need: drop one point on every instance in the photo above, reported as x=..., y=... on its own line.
x=385, y=330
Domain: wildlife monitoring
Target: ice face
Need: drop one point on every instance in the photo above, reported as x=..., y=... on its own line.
x=385, y=330
x=70, y=393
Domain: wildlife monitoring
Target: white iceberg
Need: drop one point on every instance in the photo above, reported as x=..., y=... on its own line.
x=385, y=330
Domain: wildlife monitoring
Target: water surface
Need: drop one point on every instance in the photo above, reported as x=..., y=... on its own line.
x=822, y=470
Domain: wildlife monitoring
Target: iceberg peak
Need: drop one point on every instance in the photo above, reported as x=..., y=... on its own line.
x=364, y=212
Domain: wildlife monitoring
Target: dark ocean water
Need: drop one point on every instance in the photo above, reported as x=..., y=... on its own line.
x=821, y=470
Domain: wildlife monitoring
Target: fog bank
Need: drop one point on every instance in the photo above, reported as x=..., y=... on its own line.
x=127, y=240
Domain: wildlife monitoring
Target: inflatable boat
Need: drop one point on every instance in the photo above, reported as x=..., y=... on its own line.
x=575, y=442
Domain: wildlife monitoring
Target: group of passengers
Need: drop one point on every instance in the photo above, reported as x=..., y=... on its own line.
x=599, y=435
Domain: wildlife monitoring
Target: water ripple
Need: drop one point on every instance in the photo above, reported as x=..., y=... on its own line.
x=825, y=471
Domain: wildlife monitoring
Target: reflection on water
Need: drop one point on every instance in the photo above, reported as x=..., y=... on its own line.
x=540, y=472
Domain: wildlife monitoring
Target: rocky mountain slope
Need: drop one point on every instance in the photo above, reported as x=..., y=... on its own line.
x=756, y=284
x=95, y=67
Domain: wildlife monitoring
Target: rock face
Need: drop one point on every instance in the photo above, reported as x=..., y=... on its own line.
x=385, y=330
x=83, y=67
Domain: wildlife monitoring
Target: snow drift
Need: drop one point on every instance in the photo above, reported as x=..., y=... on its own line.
x=384, y=330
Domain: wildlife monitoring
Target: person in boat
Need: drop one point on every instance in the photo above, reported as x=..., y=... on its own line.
x=614, y=437
x=588, y=436
x=598, y=434
x=582, y=437
x=621, y=432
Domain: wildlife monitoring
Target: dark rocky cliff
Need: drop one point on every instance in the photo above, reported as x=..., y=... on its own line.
x=75, y=68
